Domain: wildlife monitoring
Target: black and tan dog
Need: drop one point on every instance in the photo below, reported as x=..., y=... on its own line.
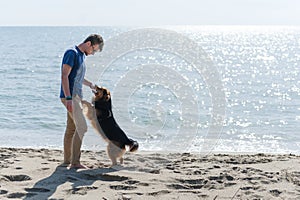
x=102, y=119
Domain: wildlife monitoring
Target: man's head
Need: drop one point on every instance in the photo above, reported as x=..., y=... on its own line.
x=92, y=44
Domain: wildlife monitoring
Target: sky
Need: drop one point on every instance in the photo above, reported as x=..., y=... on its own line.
x=148, y=12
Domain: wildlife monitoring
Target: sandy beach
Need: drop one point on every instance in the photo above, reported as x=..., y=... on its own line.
x=37, y=174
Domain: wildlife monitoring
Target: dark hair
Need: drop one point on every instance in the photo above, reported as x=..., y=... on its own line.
x=95, y=39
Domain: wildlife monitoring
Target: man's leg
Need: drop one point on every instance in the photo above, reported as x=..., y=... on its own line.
x=69, y=134
x=81, y=129
x=68, y=137
x=76, y=149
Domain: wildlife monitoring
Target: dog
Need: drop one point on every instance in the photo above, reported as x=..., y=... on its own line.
x=101, y=116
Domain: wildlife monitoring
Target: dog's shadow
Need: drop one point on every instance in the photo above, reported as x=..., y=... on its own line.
x=81, y=180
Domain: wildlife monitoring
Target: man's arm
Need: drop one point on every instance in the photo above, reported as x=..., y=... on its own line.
x=88, y=83
x=66, y=69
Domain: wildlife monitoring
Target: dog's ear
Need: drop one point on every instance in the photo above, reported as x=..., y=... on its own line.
x=107, y=96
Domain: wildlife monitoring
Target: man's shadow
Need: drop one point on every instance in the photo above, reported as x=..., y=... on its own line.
x=80, y=179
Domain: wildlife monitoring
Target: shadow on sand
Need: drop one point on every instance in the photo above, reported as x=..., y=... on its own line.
x=81, y=180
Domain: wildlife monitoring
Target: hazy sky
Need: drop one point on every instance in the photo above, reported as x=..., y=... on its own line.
x=149, y=12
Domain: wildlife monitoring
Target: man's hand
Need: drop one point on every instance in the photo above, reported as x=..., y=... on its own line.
x=92, y=86
x=69, y=105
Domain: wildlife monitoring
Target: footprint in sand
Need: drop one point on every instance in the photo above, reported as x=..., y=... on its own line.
x=265, y=182
x=3, y=192
x=196, y=172
x=141, y=160
x=178, y=187
x=249, y=188
x=103, y=177
x=203, y=196
x=131, y=182
x=275, y=192
x=144, y=184
x=122, y=187
x=221, y=178
x=82, y=190
x=151, y=171
x=134, y=182
x=193, y=181
x=19, y=195
x=159, y=193
x=17, y=177
x=229, y=184
x=45, y=168
x=189, y=184
x=170, y=167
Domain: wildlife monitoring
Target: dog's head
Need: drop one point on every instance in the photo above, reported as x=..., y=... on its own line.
x=101, y=93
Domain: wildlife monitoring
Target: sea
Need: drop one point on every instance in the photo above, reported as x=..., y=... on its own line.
x=195, y=89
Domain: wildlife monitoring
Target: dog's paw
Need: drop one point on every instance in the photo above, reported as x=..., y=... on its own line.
x=86, y=103
x=76, y=98
x=88, y=109
x=117, y=167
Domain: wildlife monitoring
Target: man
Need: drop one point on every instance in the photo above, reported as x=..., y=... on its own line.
x=72, y=79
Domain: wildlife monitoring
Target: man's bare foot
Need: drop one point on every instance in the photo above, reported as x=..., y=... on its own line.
x=64, y=165
x=78, y=166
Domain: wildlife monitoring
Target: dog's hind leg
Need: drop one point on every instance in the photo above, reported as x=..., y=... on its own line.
x=112, y=153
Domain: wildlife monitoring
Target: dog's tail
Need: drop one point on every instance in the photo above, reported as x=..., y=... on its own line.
x=133, y=146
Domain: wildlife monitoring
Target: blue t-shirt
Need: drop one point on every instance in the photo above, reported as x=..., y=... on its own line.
x=74, y=58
